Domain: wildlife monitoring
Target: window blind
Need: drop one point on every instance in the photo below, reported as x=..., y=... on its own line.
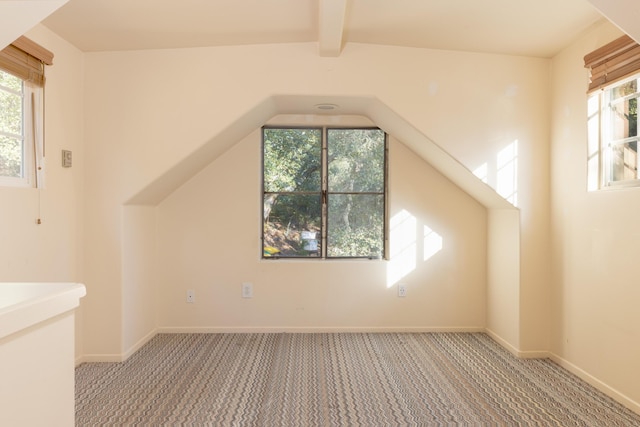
x=612, y=62
x=26, y=59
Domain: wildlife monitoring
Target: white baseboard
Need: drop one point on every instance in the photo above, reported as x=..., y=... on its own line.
x=531, y=354
x=139, y=344
x=604, y=388
x=312, y=329
x=116, y=358
x=99, y=358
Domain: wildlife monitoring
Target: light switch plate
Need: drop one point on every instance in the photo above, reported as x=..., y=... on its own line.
x=67, y=158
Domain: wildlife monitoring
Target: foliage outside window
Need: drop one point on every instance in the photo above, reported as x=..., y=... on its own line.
x=613, y=135
x=18, y=131
x=11, y=126
x=22, y=80
x=324, y=192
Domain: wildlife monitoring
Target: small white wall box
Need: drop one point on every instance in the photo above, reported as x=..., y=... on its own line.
x=309, y=241
x=67, y=159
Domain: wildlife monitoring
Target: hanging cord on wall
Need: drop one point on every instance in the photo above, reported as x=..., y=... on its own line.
x=36, y=157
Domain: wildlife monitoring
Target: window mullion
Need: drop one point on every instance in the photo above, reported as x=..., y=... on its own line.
x=325, y=185
x=353, y=225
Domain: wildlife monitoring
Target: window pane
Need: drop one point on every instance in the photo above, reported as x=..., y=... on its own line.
x=624, y=89
x=355, y=225
x=356, y=160
x=10, y=157
x=624, y=119
x=10, y=126
x=292, y=225
x=292, y=160
x=10, y=81
x=624, y=161
x=10, y=112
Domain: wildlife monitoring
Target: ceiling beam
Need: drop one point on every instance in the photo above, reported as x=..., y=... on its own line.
x=331, y=26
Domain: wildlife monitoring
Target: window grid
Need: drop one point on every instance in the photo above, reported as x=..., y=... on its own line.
x=612, y=129
x=323, y=241
x=12, y=132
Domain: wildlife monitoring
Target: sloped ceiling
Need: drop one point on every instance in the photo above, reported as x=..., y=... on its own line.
x=369, y=107
x=539, y=28
x=623, y=13
x=19, y=16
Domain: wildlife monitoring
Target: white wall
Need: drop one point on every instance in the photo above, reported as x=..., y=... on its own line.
x=139, y=275
x=503, y=277
x=595, y=240
x=209, y=241
x=19, y=16
x=146, y=113
x=140, y=113
x=52, y=251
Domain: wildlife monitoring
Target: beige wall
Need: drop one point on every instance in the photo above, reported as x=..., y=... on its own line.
x=51, y=251
x=595, y=239
x=147, y=114
x=134, y=117
x=209, y=241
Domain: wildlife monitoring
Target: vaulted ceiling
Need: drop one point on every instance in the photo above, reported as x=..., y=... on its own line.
x=539, y=28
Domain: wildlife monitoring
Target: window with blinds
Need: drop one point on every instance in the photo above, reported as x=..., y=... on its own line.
x=22, y=80
x=612, y=115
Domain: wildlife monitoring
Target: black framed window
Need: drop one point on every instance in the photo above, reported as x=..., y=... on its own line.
x=324, y=192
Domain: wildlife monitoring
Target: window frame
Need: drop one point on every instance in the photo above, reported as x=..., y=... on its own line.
x=26, y=60
x=325, y=193
x=600, y=138
x=29, y=162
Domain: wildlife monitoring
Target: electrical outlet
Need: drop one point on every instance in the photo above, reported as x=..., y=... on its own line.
x=191, y=296
x=402, y=290
x=247, y=290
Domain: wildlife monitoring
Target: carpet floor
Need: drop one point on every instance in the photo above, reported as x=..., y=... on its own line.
x=340, y=379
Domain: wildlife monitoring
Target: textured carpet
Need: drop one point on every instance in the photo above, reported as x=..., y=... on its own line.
x=377, y=379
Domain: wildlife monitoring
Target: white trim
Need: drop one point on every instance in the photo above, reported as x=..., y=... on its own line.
x=99, y=358
x=311, y=329
x=534, y=354
x=604, y=388
x=139, y=344
x=117, y=358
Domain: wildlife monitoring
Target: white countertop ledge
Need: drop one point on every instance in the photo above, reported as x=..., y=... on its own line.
x=26, y=304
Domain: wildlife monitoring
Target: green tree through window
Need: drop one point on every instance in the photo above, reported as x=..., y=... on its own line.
x=11, y=126
x=324, y=192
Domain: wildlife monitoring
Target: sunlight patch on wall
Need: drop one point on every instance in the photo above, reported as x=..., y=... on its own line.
x=502, y=174
x=404, y=240
x=432, y=243
x=482, y=172
x=403, y=246
x=507, y=176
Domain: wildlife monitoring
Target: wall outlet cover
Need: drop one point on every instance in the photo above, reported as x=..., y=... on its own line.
x=402, y=290
x=191, y=296
x=247, y=290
